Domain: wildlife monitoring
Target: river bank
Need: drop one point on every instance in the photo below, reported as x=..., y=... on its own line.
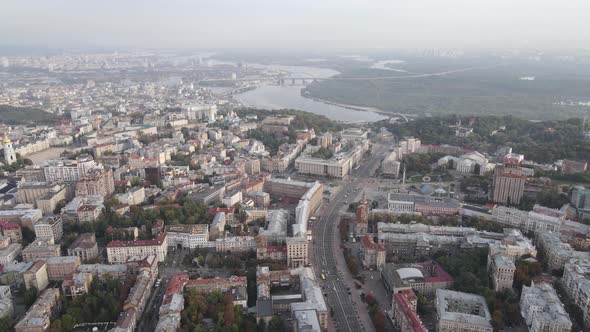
x=362, y=108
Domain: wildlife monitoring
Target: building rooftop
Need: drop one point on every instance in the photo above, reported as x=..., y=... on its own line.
x=307, y=320
x=404, y=275
x=84, y=241
x=418, y=199
x=197, y=282
x=19, y=267
x=63, y=260
x=103, y=268
x=504, y=262
x=157, y=241
x=188, y=229
x=41, y=245
x=462, y=307
x=542, y=295
x=277, y=223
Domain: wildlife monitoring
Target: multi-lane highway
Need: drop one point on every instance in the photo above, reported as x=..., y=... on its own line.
x=337, y=290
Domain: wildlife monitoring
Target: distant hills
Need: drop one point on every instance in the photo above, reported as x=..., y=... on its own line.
x=12, y=115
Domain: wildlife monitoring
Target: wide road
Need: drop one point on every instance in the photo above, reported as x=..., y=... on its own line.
x=324, y=247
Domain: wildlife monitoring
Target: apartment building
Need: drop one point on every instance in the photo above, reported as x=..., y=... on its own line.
x=557, y=253
x=40, y=249
x=68, y=170
x=576, y=281
x=36, y=276
x=235, y=244
x=372, y=254
x=404, y=306
x=23, y=217
x=9, y=252
x=96, y=182
x=540, y=219
x=38, y=317
x=49, y=227
x=88, y=213
x=11, y=230
x=508, y=182
x=58, y=268
x=119, y=252
x=513, y=245
x=502, y=269
x=457, y=311
x=85, y=247
x=542, y=309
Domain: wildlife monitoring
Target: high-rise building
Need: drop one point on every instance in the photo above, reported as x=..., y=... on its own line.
x=508, y=184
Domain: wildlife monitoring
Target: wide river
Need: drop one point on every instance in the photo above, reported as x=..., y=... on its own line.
x=281, y=97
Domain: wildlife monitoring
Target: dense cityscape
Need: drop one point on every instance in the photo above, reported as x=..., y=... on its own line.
x=327, y=188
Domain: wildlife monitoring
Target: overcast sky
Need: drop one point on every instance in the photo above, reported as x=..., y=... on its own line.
x=544, y=24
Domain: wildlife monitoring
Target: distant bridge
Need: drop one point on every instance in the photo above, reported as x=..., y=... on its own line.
x=307, y=77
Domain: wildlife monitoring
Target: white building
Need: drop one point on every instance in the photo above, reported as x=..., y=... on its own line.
x=133, y=196
x=576, y=281
x=540, y=219
x=390, y=166
x=514, y=245
x=232, y=198
x=68, y=170
x=502, y=269
x=472, y=162
x=6, y=306
x=542, y=310
x=188, y=236
x=557, y=253
x=9, y=254
x=9, y=154
x=457, y=311
x=340, y=165
x=235, y=244
x=49, y=227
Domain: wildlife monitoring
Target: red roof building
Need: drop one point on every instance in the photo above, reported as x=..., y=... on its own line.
x=404, y=311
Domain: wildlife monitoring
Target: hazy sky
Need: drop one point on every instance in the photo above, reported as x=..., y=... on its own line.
x=546, y=24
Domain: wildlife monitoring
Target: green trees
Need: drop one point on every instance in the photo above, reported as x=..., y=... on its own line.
x=12, y=115
x=524, y=272
x=470, y=273
x=323, y=153
x=216, y=306
x=544, y=142
x=103, y=303
x=6, y=324
x=31, y=295
x=276, y=324
x=421, y=163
